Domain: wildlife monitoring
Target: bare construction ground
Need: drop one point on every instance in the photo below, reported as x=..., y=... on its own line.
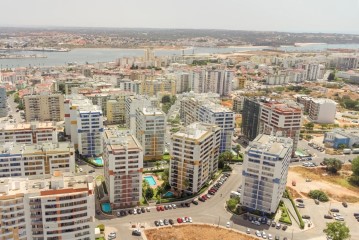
x=195, y=232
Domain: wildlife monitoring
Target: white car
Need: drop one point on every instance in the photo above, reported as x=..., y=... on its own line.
x=161, y=223
x=134, y=211
x=189, y=220
x=258, y=233
x=112, y=235
x=264, y=235
x=174, y=206
x=248, y=231
x=228, y=224
x=339, y=218
x=270, y=237
x=208, y=196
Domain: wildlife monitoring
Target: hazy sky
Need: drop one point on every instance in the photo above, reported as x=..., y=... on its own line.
x=278, y=15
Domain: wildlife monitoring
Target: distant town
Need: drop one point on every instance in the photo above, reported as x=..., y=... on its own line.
x=260, y=144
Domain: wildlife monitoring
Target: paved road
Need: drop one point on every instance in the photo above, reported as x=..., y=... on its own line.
x=212, y=211
x=12, y=105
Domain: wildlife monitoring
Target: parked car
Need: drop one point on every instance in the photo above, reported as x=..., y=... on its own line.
x=327, y=216
x=284, y=227
x=143, y=210
x=179, y=220
x=278, y=226
x=258, y=233
x=277, y=237
x=201, y=199
x=188, y=204
x=158, y=208
x=136, y=232
x=345, y=204
x=148, y=209
x=316, y=201
x=274, y=224
x=174, y=206
x=334, y=210
x=169, y=207
x=300, y=205
x=171, y=221
x=305, y=216
x=157, y=223
x=248, y=231
x=165, y=222
x=194, y=202
x=166, y=207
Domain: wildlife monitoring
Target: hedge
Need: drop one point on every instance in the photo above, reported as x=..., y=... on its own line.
x=301, y=222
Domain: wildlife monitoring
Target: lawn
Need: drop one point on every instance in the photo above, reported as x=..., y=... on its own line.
x=285, y=218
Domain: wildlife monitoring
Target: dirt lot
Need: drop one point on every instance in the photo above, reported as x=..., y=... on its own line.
x=195, y=232
x=336, y=186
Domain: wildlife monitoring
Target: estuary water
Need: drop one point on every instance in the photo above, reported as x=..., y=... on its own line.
x=93, y=55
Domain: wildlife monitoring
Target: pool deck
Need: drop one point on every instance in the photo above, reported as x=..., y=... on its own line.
x=158, y=181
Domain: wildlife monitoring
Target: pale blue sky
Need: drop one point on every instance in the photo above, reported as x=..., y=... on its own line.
x=277, y=15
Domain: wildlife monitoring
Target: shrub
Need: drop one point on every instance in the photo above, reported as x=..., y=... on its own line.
x=318, y=194
x=101, y=227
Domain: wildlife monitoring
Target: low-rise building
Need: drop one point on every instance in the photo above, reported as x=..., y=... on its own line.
x=337, y=137
x=194, y=156
x=265, y=170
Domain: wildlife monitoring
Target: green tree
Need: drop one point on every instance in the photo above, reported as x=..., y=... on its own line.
x=342, y=146
x=318, y=194
x=62, y=88
x=232, y=203
x=165, y=175
x=149, y=193
x=226, y=156
x=331, y=77
x=309, y=126
x=333, y=165
x=159, y=190
x=166, y=99
x=337, y=231
x=355, y=166
x=158, y=164
x=145, y=185
x=237, y=149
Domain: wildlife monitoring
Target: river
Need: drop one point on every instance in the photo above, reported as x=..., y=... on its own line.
x=93, y=55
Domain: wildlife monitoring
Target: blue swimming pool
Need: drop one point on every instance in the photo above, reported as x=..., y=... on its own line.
x=150, y=180
x=98, y=160
x=106, y=207
x=168, y=194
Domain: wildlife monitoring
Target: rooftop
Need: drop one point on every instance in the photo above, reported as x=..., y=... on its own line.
x=48, y=147
x=194, y=131
x=270, y=144
x=24, y=126
x=44, y=185
x=120, y=140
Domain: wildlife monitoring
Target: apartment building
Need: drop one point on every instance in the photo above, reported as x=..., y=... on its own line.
x=18, y=160
x=84, y=123
x=150, y=131
x=183, y=83
x=219, y=81
x=123, y=165
x=265, y=170
x=238, y=104
x=205, y=108
x=61, y=206
x=250, y=118
x=132, y=103
x=44, y=107
x=282, y=120
x=28, y=133
x=3, y=102
x=194, y=156
x=322, y=110
x=159, y=85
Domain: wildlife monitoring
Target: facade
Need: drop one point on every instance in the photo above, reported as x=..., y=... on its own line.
x=281, y=120
x=159, y=85
x=250, y=118
x=336, y=137
x=219, y=81
x=47, y=207
x=123, y=165
x=204, y=108
x=183, y=83
x=322, y=110
x=238, y=104
x=3, y=102
x=150, y=131
x=265, y=170
x=115, y=109
x=194, y=156
x=44, y=107
x=18, y=160
x=132, y=103
x=84, y=123
x=28, y=133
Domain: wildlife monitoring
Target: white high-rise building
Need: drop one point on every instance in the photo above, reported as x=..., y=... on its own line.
x=322, y=110
x=47, y=207
x=183, y=83
x=84, y=122
x=194, y=156
x=150, y=131
x=123, y=166
x=265, y=170
x=219, y=81
x=132, y=103
x=204, y=108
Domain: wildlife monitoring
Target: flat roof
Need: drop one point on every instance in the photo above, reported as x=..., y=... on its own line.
x=120, y=140
x=47, y=147
x=28, y=126
x=271, y=144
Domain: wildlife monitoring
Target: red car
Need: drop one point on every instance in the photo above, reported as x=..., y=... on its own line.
x=158, y=208
x=162, y=208
x=204, y=197
x=179, y=220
